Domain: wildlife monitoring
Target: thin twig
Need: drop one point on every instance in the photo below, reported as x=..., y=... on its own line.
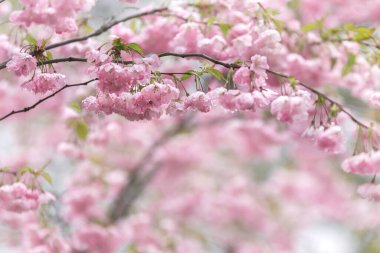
x=98, y=32
x=28, y=108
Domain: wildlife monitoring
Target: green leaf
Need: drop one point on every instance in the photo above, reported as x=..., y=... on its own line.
x=29, y=38
x=279, y=24
x=81, y=129
x=134, y=25
x=216, y=73
x=317, y=25
x=225, y=28
x=47, y=178
x=351, y=61
x=45, y=41
x=25, y=169
x=363, y=33
x=188, y=74
x=135, y=47
x=75, y=106
x=49, y=55
x=210, y=21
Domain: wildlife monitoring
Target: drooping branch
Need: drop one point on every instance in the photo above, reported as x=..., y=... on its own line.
x=226, y=65
x=28, y=108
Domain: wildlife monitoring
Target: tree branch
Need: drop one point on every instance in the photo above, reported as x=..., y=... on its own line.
x=226, y=65
x=98, y=32
x=136, y=181
x=105, y=28
x=45, y=98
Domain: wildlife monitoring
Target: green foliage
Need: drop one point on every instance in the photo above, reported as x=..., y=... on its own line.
x=316, y=25
x=29, y=38
x=360, y=33
x=216, y=73
x=81, y=129
x=135, y=47
x=75, y=106
x=225, y=28
x=351, y=61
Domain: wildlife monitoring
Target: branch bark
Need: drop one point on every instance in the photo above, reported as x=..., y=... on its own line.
x=44, y=99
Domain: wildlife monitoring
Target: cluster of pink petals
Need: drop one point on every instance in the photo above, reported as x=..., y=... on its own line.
x=44, y=82
x=259, y=66
x=198, y=101
x=114, y=78
x=242, y=79
x=363, y=163
x=294, y=108
x=328, y=138
x=235, y=100
x=18, y=198
x=331, y=139
x=370, y=191
x=148, y=103
x=97, y=239
x=39, y=238
x=60, y=15
x=117, y=78
x=22, y=64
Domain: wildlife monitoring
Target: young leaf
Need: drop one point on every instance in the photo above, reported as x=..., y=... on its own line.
x=49, y=55
x=317, y=25
x=135, y=47
x=363, y=33
x=349, y=64
x=225, y=28
x=25, y=170
x=216, y=73
x=47, y=178
x=75, y=106
x=81, y=129
x=29, y=38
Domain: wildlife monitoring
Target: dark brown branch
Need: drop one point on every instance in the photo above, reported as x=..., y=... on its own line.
x=137, y=181
x=45, y=98
x=98, y=32
x=332, y=101
x=105, y=28
x=231, y=65
x=226, y=65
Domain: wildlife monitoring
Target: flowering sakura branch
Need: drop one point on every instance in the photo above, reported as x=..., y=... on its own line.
x=28, y=108
x=184, y=127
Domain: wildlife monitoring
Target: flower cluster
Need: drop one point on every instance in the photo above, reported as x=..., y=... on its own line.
x=149, y=103
x=22, y=64
x=18, y=198
x=45, y=82
x=60, y=15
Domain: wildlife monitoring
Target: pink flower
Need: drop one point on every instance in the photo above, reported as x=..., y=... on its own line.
x=259, y=66
x=369, y=191
x=44, y=82
x=291, y=109
x=245, y=102
x=18, y=198
x=242, y=78
x=362, y=163
x=198, y=101
x=22, y=64
x=331, y=139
